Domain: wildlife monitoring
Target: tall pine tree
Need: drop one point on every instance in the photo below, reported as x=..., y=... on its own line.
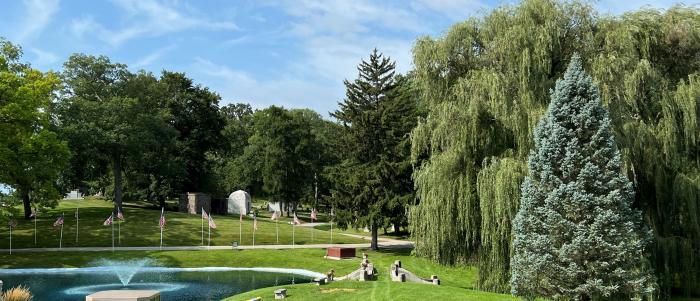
x=575, y=234
x=377, y=116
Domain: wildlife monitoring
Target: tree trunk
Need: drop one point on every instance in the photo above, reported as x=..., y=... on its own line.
x=397, y=228
x=26, y=201
x=374, y=245
x=117, y=165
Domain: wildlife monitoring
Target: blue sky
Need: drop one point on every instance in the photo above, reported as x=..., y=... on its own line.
x=290, y=53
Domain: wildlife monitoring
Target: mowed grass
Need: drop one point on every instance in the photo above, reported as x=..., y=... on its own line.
x=140, y=229
x=457, y=282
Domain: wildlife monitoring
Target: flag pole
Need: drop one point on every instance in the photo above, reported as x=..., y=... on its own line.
x=119, y=231
x=112, y=218
x=202, y=216
x=294, y=226
x=10, y=240
x=77, y=224
x=331, y=229
x=162, y=209
x=240, y=230
x=35, y=230
x=253, y=236
x=60, y=241
x=209, y=236
x=277, y=227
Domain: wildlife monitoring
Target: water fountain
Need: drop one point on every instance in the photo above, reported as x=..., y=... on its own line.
x=124, y=277
x=125, y=270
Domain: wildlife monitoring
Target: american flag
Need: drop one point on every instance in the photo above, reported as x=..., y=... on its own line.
x=59, y=221
x=255, y=221
x=120, y=215
x=275, y=215
x=313, y=214
x=204, y=214
x=161, y=222
x=12, y=223
x=296, y=219
x=240, y=220
x=109, y=220
x=211, y=222
x=33, y=215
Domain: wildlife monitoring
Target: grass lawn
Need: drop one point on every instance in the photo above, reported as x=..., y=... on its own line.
x=141, y=229
x=456, y=281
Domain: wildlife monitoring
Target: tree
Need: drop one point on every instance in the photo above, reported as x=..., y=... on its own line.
x=31, y=153
x=280, y=150
x=107, y=117
x=576, y=235
x=377, y=117
x=194, y=112
x=485, y=82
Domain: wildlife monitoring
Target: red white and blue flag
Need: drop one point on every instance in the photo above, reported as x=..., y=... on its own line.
x=313, y=214
x=211, y=222
x=109, y=220
x=275, y=215
x=240, y=220
x=204, y=214
x=120, y=215
x=12, y=223
x=59, y=221
x=255, y=221
x=296, y=219
x=161, y=222
x=33, y=215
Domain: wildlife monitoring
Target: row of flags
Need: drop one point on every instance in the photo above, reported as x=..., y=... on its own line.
x=162, y=222
x=275, y=216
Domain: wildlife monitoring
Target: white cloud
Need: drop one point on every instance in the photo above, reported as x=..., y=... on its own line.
x=454, y=9
x=149, y=18
x=151, y=57
x=43, y=58
x=38, y=15
x=235, y=85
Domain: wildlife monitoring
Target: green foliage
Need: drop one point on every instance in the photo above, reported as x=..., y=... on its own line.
x=372, y=183
x=31, y=153
x=576, y=236
x=485, y=85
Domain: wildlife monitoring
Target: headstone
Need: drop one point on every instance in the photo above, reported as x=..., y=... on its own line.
x=125, y=295
x=74, y=195
x=281, y=293
x=239, y=202
x=0, y=285
x=274, y=206
x=192, y=202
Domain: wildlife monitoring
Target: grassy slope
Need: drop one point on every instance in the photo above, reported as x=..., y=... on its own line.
x=141, y=229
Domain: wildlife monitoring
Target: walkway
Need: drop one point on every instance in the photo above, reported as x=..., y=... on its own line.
x=383, y=243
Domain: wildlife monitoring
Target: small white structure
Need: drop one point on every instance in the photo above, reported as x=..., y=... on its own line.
x=239, y=202
x=274, y=206
x=74, y=195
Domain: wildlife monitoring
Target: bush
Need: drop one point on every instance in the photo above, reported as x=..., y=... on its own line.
x=20, y=293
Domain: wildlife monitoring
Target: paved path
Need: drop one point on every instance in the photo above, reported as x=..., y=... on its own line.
x=383, y=243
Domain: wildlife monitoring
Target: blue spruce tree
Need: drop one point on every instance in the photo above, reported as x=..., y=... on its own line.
x=576, y=236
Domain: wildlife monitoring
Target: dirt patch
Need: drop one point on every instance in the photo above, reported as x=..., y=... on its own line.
x=337, y=290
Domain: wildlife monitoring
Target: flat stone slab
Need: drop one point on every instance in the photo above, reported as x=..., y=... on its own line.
x=125, y=295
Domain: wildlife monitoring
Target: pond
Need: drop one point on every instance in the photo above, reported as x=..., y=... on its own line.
x=177, y=284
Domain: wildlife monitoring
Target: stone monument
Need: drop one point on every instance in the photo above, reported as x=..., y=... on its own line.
x=192, y=202
x=239, y=202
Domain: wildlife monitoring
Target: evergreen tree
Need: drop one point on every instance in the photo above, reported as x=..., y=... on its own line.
x=377, y=115
x=575, y=234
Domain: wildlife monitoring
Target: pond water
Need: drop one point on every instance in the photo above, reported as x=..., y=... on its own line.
x=177, y=284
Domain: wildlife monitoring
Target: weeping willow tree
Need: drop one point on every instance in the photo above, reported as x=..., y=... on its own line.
x=486, y=82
